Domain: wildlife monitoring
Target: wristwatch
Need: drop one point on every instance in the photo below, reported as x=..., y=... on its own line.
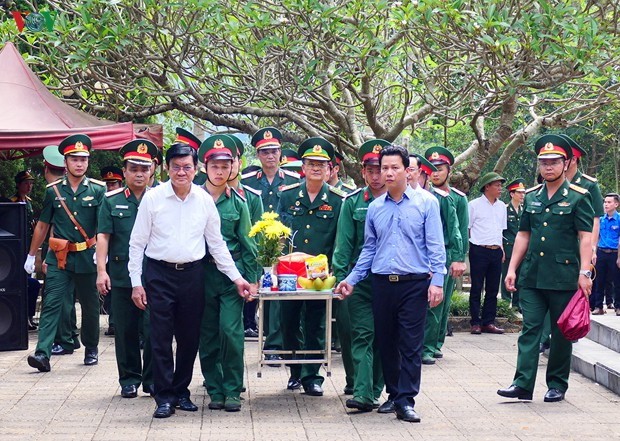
x=586, y=273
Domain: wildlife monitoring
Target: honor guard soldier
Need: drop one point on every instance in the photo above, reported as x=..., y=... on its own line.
x=270, y=179
x=516, y=190
x=334, y=174
x=436, y=318
x=116, y=219
x=443, y=160
x=311, y=210
x=290, y=161
x=113, y=177
x=367, y=372
x=72, y=205
x=221, y=331
x=554, y=250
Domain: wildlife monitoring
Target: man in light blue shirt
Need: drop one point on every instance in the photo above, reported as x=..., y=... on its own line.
x=404, y=250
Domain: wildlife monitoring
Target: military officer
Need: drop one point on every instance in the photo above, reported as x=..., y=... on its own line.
x=367, y=372
x=116, y=219
x=221, y=335
x=112, y=176
x=334, y=174
x=311, y=210
x=443, y=160
x=72, y=205
x=158, y=161
x=436, y=317
x=553, y=246
x=516, y=190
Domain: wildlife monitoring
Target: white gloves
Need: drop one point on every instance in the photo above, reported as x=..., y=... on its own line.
x=29, y=264
x=95, y=258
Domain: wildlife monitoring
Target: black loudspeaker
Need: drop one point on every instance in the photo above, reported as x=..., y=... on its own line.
x=13, y=278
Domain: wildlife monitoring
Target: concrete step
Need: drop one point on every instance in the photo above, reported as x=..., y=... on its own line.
x=605, y=330
x=597, y=363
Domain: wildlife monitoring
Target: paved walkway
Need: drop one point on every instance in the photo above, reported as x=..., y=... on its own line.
x=457, y=402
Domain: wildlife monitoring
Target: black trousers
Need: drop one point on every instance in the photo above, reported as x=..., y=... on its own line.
x=176, y=301
x=607, y=272
x=399, y=310
x=249, y=315
x=485, y=267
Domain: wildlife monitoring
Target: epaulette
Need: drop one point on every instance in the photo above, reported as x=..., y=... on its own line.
x=354, y=192
x=238, y=194
x=534, y=188
x=578, y=189
x=349, y=186
x=589, y=178
x=203, y=170
x=337, y=191
x=253, y=190
x=249, y=175
x=57, y=181
x=113, y=192
x=457, y=191
x=292, y=174
x=97, y=181
x=291, y=186
x=28, y=198
x=441, y=192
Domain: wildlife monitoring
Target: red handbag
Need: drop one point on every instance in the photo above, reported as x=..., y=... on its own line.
x=574, y=323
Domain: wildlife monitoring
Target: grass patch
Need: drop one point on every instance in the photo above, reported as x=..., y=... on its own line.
x=460, y=307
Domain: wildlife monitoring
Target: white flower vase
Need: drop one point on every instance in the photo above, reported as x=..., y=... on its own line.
x=268, y=279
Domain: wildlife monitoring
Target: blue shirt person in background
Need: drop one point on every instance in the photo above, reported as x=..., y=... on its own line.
x=404, y=250
x=607, y=260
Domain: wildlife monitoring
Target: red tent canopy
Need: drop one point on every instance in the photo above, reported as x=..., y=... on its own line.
x=32, y=117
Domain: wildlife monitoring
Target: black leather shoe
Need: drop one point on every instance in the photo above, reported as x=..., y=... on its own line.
x=406, y=413
x=164, y=410
x=274, y=357
x=554, y=395
x=515, y=392
x=250, y=333
x=314, y=390
x=387, y=407
x=348, y=390
x=91, y=356
x=39, y=361
x=148, y=389
x=59, y=350
x=129, y=391
x=216, y=404
x=352, y=403
x=293, y=383
x=186, y=405
x=110, y=331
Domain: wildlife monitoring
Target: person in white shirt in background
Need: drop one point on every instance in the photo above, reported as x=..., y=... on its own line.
x=487, y=221
x=174, y=220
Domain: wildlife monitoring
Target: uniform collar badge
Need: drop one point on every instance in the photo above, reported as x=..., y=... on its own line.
x=324, y=197
x=565, y=192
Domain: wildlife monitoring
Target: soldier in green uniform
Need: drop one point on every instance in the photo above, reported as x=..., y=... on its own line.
x=83, y=197
x=311, y=210
x=516, y=190
x=269, y=180
x=334, y=175
x=290, y=161
x=436, y=317
x=221, y=334
x=116, y=218
x=113, y=177
x=553, y=246
x=443, y=160
x=367, y=372
x=159, y=159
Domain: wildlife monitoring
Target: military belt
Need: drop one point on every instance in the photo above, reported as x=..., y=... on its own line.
x=395, y=278
x=608, y=250
x=81, y=246
x=235, y=256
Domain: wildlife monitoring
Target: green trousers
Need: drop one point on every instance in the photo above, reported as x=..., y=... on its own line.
x=312, y=323
x=545, y=338
x=367, y=371
x=130, y=323
x=437, y=320
x=507, y=295
x=69, y=322
x=271, y=323
x=221, y=337
x=535, y=304
x=60, y=286
x=343, y=324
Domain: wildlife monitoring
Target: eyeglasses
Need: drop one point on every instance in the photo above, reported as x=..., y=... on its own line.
x=316, y=165
x=186, y=168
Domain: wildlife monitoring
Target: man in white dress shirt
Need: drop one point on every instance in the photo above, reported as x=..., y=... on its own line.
x=487, y=221
x=173, y=222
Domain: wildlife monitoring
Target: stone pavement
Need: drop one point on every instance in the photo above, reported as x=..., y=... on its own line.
x=457, y=402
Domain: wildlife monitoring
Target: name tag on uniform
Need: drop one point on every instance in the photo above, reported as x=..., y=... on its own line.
x=88, y=198
x=122, y=206
x=563, y=204
x=60, y=198
x=536, y=204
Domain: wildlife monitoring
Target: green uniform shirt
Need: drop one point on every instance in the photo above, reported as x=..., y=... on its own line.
x=235, y=226
x=84, y=204
x=200, y=178
x=450, y=222
x=552, y=258
x=254, y=201
x=348, y=189
x=313, y=224
x=270, y=193
x=462, y=212
x=591, y=184
x=350, y=234
x=29, y=217
x=513, y=220
x=116, y=218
